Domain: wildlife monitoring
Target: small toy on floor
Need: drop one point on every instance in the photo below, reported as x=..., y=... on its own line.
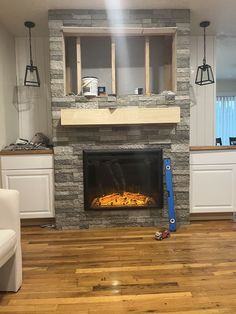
x=160, y=235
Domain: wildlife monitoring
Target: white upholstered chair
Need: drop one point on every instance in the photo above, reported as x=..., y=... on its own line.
x=10, y=241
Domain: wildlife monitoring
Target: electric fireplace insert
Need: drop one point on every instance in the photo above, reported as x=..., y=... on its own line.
x=123, y=179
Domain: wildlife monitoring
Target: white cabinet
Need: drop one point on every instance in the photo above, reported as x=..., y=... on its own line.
x=212, y=181
x=32, y=176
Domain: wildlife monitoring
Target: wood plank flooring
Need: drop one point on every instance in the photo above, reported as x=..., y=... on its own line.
x=125, y=270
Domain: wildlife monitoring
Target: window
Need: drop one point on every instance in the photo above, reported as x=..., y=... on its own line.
x=225, y=118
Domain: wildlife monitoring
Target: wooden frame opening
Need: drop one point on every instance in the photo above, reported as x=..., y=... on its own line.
x=78, y=35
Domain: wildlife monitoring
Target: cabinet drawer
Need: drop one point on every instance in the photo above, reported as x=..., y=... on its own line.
x=27, y=162
x=212, y=157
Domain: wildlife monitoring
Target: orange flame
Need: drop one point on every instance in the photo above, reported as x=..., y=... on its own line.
x=124, y=199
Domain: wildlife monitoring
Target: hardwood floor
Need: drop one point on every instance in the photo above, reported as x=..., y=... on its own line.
x=125, y=270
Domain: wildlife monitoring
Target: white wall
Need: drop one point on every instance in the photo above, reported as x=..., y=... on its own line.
x=33, y=102
x=8, y=108
x=96, y=60
x=226, y=87
x=129, y=64
x=202, y=112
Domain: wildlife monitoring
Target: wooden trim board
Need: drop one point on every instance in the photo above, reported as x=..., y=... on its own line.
x=26, y=152
x=104, y=31
x=119, y=116
x=204, y=148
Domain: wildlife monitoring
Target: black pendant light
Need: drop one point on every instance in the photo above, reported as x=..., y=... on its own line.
x=31, y=71
x=204, y=72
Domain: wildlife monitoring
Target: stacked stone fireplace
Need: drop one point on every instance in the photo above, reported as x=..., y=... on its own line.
x=70, y=143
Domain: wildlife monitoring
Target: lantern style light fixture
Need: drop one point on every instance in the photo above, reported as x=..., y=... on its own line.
x=31, y=71
x=204, y=72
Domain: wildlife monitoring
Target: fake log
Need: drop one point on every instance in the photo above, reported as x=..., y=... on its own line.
x=124, y=199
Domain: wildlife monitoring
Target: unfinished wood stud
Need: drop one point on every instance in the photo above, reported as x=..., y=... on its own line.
x=174, y=63
x=66, y=84
x=78, y=56
x=113, y=66
x=147, y=65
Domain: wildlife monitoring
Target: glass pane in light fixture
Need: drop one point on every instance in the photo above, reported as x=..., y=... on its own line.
x=205, y=75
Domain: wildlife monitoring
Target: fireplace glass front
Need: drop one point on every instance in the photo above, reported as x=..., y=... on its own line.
x=123, y=179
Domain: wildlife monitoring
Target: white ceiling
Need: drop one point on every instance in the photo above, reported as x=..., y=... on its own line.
x=220, y=13
x=13, y=13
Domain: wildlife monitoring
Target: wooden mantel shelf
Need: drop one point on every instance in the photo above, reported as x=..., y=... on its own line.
x=119, y=116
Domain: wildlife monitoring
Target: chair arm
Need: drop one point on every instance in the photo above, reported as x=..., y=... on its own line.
x=11, y=271
x=9, y=210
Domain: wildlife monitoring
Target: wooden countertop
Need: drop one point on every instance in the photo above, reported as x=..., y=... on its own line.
x=202, y=148
x=26, y=152
x=50, y=151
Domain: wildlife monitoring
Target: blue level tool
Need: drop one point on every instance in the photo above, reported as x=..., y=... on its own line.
x=170, y=193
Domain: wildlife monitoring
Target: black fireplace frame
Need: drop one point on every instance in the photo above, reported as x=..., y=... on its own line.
x=159, y=156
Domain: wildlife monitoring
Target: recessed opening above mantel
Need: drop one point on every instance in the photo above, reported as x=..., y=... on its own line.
x=121, y=58
x=119, y=116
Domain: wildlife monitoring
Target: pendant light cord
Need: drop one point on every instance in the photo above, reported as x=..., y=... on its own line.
x=31, y=60
x=204, y=59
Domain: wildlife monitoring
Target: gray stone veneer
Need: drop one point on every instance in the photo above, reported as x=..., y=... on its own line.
x=69, y=142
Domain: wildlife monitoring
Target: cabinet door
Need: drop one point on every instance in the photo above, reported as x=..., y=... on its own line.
x=212, y=188
x=36, y=191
